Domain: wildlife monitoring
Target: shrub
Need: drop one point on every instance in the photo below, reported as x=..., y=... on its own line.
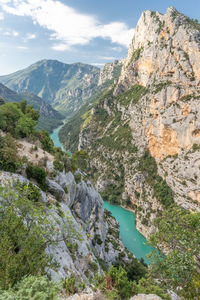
x=37, y=173
x=9, y=160
x=58, y=165
x=69, y=285
x=32, y=287
x=24, y=237
x=46, y=141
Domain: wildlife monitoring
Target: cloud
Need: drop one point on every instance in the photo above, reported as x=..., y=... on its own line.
x=68, y=26
x=60, y=47
x=22, y=47
x=30, y=36
x=1, y=16
x=97, y=64
x=107, y=57
x=117, y=49
x=11, y=33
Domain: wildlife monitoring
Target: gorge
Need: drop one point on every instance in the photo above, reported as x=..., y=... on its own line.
x=131, y=238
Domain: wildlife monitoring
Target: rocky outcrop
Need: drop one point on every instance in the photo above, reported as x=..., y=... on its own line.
x=79, y=206
x=110, y=72
x=154, y=106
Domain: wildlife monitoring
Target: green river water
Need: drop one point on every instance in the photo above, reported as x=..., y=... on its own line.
x=134, y=241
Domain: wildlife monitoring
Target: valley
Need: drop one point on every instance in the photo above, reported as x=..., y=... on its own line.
x=101, y=167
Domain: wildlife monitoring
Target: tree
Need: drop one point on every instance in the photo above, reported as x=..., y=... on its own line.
x=179, y=232
x=26, y=230
x=9, y=116
x=9, y=160
x=25, y=126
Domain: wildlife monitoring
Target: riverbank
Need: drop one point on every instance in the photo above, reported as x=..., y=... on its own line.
x=132, y=239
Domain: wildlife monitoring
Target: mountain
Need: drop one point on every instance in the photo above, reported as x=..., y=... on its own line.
x=49, y=117
x=143, y=135
x=65, y=86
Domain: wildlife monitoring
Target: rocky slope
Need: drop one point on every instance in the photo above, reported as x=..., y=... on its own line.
x=143, y=135
x=49, y=117
x=96, y=244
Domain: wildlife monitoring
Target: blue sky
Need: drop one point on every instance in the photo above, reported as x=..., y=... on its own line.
x=88, y=31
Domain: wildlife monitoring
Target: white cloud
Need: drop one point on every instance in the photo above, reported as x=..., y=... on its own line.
x=30, y=36
x=117, y=49
x=11, y=33
x=1, y=16
x=97, y=64
x=22, y=47
x=15, y=33
x=67, y=25
x=107, y=57
x=60, y=47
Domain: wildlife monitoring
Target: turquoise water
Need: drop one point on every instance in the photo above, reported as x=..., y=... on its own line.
x=55, y=138
x=134, y=241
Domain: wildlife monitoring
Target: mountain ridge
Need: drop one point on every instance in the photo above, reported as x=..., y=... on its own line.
x=150, y=117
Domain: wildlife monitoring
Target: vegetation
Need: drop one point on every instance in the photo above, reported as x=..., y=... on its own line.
x=162, y=191
x=46, y=141
x=25, y=232
x=161, y=85
x=33, y=287
x=9, y=160
x=133, y=94
x=37, y=173
x=179, y=231
x=19, y=119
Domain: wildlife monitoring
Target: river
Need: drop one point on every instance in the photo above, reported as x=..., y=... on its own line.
x=132, y=239
x=55, y=138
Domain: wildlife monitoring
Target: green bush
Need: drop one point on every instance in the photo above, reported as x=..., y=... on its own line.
x=32, y=287
x=115, y=285
x=19, y=119
x=58, y=165
x=9, y=160
x=29, y=190
x=147, y=286
x=46, y=141
x=25, y=233
x=37, y=173
x=69, y=285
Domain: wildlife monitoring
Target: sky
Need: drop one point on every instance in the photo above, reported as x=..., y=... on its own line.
x=88, y=31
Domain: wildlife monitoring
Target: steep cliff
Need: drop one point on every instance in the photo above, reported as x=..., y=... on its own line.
x=94, y=244
x=143, y=135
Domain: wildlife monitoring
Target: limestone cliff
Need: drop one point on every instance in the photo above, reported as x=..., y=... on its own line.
x=96, y=244
x=153, y=108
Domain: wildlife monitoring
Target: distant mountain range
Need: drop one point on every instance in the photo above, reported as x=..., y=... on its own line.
x=65, y=86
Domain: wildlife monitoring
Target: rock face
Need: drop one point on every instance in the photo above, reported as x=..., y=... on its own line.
x=153, y=107
x=82, y=206
x=110, y=72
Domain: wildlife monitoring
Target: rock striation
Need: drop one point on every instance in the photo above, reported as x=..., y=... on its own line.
x=153, y=107
x=93, y=246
